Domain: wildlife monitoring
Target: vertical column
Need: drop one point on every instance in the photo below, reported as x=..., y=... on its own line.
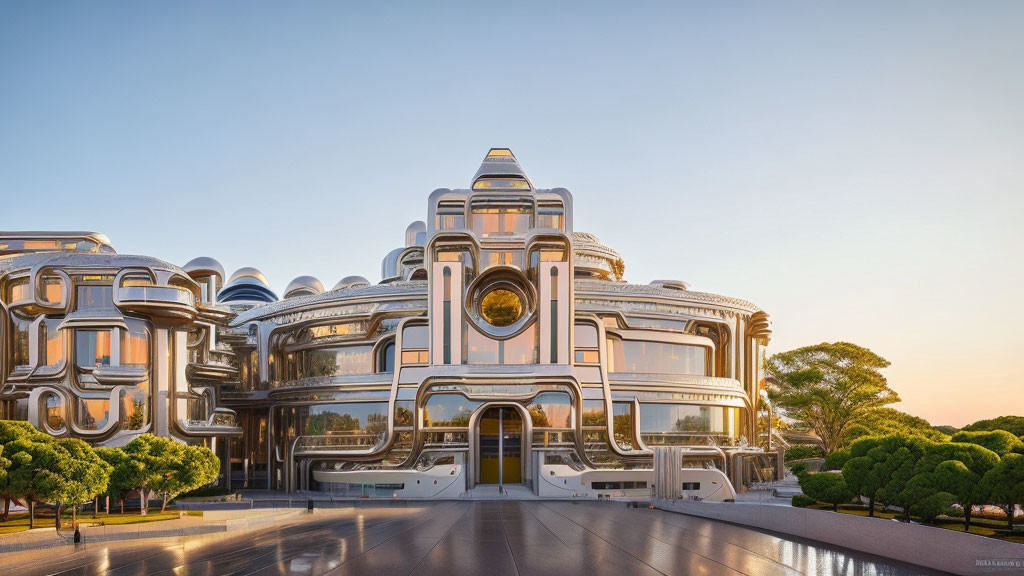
x=555, y=306
x=161, y=396
x=446, y=313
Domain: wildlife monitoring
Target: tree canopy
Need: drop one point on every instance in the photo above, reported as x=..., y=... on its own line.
x=169, y=467
x=1004, y=484
x=999, y=441
x=888, y=421
x=826, y=487
x=829, y=387
x=1012, y=424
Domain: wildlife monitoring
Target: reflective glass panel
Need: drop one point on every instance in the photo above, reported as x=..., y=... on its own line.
x=92, y=413
x=448, y=410
x=55, y=412
x=334, y=361
x=551, y=410
x=414, y=337
x=53, y=342
x=688, y=418
x=92, y=348
x=94, y=296
x=352, y=418
x=641, y=357
x=593, y=413
x=135, y=347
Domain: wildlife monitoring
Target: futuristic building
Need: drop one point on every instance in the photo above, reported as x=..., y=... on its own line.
x=500, y=347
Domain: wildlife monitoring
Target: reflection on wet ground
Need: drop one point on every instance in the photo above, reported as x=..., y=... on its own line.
x=490, y=538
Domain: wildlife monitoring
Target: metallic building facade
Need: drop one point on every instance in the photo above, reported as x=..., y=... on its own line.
x=501, y=347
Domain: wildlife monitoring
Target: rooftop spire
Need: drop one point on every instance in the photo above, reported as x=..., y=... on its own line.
x=500, y=171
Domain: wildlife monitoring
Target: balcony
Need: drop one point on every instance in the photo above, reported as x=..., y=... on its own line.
x=167, y=301
x=222, y=422
x=355, y=442
x=686, y=380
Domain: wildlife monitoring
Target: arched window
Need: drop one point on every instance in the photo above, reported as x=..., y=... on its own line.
x=386, y=357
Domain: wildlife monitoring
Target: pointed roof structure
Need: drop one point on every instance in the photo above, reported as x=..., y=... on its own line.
x=501, y=171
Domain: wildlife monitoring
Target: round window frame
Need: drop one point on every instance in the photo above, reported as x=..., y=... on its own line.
x=501, y=278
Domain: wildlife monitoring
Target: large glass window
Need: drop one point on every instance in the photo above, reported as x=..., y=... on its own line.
x=386, y=361
x=448, y=410
x=18, y=290
x=333, y=361
x=92, y=348
x=21, y=348
x=350, y=419
x=551, y=410
x=451, y=215
x=55, y=412
x=642, y=357
x=551, y=218
x=500, y=220
x=93, y=413
x=689, y=419
x=53, y=342
x=135, y=347
x=405, y=411
x=622, y=423
x=585, y=337
x=135, y=407
x=415, y=337
x=94, y=296
x=51, y=289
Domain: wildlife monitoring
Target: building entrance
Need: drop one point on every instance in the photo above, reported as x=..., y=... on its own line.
x=501, y=446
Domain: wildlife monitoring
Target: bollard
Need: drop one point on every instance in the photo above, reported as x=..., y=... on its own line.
x=78, y=536
x=309, y=505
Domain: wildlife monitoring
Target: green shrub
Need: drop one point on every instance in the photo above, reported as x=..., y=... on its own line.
x=837, y=459
x=826, y=487
x=999, y=441
x=798, y=469
x=803, y=501
x=1012, y=424
x=931, y=507
x=801, y=451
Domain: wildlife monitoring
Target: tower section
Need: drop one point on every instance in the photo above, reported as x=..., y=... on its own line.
x=499, y=256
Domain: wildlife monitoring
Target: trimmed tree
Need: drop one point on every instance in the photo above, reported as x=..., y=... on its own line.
x=999, y=441
x=33, y=475
x=955, y=478
x=84, y=473
x=901, y=466
x=172, y=467
x=837, y=459
x=957, y=469
x=889, y=421
x=826, y=487
x=829, y=387
x=880, y=467
x=1003, y=485
x=11, y=430
x=127, y=473
x=1012, y=424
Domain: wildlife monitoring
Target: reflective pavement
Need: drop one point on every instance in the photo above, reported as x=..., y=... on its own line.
x=482, y=537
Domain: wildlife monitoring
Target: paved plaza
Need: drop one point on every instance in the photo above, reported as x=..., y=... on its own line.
x=491, y=538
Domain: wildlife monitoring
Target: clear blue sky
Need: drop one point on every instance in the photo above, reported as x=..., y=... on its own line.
x=857, y=170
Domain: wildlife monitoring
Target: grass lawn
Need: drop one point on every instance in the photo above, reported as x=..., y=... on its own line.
x=19, y=522
x=958, y=525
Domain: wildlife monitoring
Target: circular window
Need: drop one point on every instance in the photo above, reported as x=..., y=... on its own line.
x=501, y=307
x=501, y=302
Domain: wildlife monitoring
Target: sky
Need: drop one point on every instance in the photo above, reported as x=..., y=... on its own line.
x=855, y=170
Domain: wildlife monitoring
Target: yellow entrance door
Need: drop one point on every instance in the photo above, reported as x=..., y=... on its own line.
x=511, y=446
x=501, y=446
x=490, y=427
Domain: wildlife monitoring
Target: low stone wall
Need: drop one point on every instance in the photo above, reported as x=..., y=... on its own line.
x=937, y=548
